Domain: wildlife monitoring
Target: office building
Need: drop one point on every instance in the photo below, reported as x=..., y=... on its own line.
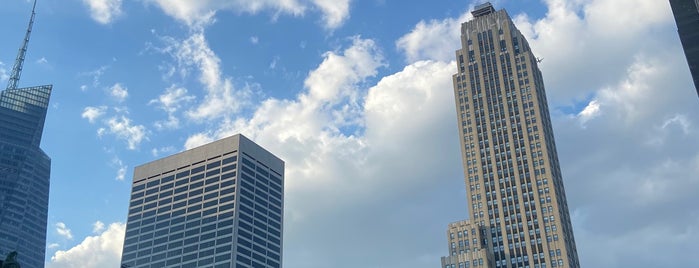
x=218, y=205
x=687, y=18
x=518, y=211
x=24, y=168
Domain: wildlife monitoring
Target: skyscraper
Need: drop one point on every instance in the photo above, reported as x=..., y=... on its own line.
x=518, y=209
x=218, y=205
x=687, y=18
x=24, y=168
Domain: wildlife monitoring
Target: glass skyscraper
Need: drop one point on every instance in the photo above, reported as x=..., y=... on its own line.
x=686, y=14
x=24, y=168
x=218, y=205
x=518, y=210
x=24, y=174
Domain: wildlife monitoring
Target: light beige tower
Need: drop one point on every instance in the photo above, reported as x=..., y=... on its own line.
x=513, y=179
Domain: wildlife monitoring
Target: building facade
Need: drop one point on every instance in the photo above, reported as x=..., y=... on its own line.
x=218, y=205
x=24, y=167
x=686, y=14
x=467, y=246
x=513, y=180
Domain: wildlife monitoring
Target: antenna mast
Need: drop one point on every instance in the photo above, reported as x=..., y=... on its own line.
x=17, y=68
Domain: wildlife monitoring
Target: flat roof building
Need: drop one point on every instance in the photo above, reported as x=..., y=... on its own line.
x=218, y=205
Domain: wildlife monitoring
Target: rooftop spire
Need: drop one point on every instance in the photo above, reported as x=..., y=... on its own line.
x=19, y=62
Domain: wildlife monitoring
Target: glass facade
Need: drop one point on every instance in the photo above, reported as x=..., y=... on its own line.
x=24, y=174
x=513, y=179
x=223, y=210
x=686, y=14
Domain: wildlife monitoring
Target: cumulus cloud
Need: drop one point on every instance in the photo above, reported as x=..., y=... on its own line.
x=433, y=40
x=123, y=128
x=119, y=92
x=63, y=230
x=588, y=33
x=102, y=250
x=97, y=227
x=104, y=11
x=93, y=113
x=335, y=12
x=222, y=98
x=376, y=157
x=344, y=143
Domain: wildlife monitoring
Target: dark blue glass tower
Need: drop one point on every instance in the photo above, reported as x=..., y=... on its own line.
x=24, y=174
x=24, y=168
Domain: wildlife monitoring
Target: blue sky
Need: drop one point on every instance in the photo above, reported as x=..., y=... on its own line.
x=356, y=97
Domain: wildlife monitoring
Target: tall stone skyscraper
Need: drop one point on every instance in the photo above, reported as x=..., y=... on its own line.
x=518, y=210
x=686, y=14
x=218, y=205
x=24, y=168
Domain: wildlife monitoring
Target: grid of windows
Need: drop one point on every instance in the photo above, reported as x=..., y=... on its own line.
x=513, y=180
x=24, y=174
x=183, y=217
x=225, y=209
x=260, y=215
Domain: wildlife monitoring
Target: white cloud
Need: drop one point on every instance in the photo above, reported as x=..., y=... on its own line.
x=96, y=76
x=93, y=113
x=164, y=150
x=197, y=140
x=102, y=250
x=4, y=76
x=63, y=230
x=590, y=111
x=104, y=11
x=119, y=92
x=681, y=120
x=369, y=159
x=122, y=127
x=222, y=99
x=42, y=60
x=121, y=168
x=342, y=143
x=433, y=40
x=200, y=13
x=335, y=12
x=83, y=88
x=254, y=40
x=171, y=101
x=53, y=246
x=97, y=227
x=587, y=33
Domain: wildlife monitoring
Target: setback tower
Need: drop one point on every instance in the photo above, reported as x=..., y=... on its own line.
x=218, y=205
x=518, y=209
x=24, y=168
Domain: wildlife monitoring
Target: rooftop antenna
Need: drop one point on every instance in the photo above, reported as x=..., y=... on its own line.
x=17, y=68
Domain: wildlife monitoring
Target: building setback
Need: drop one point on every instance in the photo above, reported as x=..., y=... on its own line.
x=217, y=205
x=24, y=168
x=687, y=18
x=518, y=209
